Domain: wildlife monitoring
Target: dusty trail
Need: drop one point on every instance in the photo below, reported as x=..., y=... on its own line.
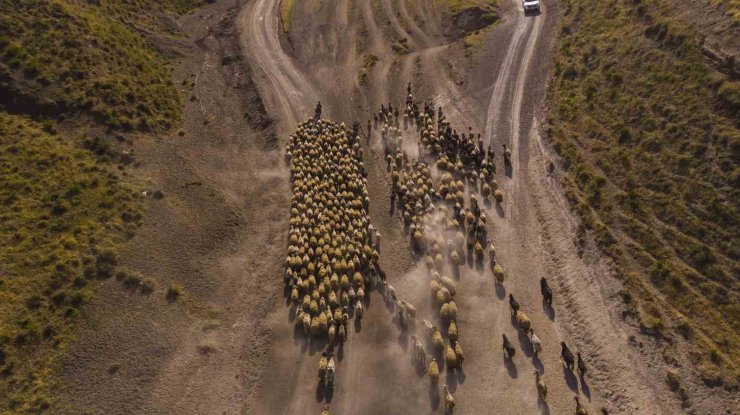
x=533, y=233
x=290, y=90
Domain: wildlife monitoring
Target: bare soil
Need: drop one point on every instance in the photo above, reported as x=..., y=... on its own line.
x=230, y=346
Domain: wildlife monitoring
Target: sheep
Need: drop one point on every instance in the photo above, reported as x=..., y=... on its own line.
x=546, y=291
x=536, y=343
x=507, y=155
x=581, y=365
x=523, y=321
x=342, y=334
x=449, y=400
x=580, y=409
x=437, y=340
x=326, y=410
x=509, y=350
x=332, y=333
x=429, y=327
x=450, y=358
x=541, y=387
x=498, y=272
x=358, y=310
x=408, y=308
x=459, y=354
x=452, y=331
x=566, y=355
x=433, y=371
x=306, y=324
x=323, y=363
x=514, y=304
x=420, y=354
x=330, y=368
x=499, y=196
x=448, y=283
x=390, y=292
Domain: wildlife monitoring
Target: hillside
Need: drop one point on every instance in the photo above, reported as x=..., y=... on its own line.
x=648, y=134
x=73, y=75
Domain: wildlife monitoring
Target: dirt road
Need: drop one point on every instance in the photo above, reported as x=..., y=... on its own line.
x=533, y=232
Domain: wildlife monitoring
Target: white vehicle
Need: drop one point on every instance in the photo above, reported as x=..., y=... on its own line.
x=531, y=6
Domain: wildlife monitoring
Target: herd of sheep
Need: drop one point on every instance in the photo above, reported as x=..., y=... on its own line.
x=332, y=255
x=442, y=182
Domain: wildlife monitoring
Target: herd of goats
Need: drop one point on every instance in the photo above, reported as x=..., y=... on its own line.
x=333, y=249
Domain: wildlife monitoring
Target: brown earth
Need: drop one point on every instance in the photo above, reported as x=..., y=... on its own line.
x=229, y=345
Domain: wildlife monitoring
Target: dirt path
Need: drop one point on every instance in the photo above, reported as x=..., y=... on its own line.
x=533, y=232
x=289, y=93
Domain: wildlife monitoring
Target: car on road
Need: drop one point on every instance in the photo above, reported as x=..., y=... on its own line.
x=531, y=6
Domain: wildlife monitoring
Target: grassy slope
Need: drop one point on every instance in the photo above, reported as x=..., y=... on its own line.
x=63, y=208
x=649, y=137
x=75, y=55
x=286, y=13
x=456, y=6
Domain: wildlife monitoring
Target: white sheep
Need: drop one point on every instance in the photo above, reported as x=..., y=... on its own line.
x=449, y=400
x=536, y=343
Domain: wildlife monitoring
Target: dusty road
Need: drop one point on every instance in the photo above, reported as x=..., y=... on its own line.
x=533, y=233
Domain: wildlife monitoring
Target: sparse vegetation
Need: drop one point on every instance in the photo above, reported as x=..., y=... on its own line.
x=65, y=56
x=646, y=133
x=63, y=208
x=61, y=218
x=174, y=292
x=286, y=14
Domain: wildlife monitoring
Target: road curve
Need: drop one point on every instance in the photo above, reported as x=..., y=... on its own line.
x=291, y=94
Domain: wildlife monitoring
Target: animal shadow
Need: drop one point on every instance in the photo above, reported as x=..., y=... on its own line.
x=500, y=210
x=586, y=390
x=549, y=311
x=500, y=291
x=434, y=397
x=511, y=368
x=570, y=379
x=542, y=404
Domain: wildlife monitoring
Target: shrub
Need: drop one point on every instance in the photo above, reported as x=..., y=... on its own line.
x=174, y=292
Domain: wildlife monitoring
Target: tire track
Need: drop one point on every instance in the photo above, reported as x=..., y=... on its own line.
x=292, y=92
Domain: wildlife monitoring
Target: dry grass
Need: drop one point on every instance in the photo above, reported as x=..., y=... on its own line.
x=646, y=134
x=62, y=216
x=286, y=14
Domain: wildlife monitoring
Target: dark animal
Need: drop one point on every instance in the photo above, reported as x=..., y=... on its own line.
x=546, y=291
x=508, y=347
x=581, y=365
x=566, y=355
x=513, y=303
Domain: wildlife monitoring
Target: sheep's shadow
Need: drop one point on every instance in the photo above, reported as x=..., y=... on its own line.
x=320, y=390
x=461, y=376
x=508, y=169
x=340, y=352
x=548, y=309
x=500, y=210
x=358, y=324
x=500, y=290
x=511, y=367
x=479, y=265
x=487, y=203
x=434, y=397
x=586, y=390
x=513, y=321
x=525, y=344
x=316, y=344
x=292, y=314
x=570, y=379
x=537, y=363
x=299, y=338
x=542, y=404
x=451, y=380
